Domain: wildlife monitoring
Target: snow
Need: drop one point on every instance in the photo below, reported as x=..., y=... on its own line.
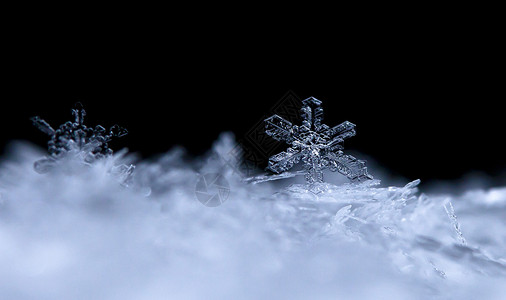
x=79, y=232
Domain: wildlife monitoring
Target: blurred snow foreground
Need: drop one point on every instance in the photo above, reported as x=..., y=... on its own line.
x=82, y=231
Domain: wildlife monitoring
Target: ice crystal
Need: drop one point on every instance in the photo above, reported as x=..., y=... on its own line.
x=88, y=143
x=453, y=217
x=316, y=144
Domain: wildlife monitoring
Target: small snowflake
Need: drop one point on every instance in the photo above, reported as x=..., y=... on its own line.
x=74, y=137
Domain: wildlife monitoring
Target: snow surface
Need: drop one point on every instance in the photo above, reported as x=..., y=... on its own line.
x=81, y=232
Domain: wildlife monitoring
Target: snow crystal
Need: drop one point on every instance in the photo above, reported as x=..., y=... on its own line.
x=77, y=139
x=316, y=144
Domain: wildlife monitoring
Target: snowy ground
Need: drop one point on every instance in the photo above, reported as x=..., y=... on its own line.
x=77, y=232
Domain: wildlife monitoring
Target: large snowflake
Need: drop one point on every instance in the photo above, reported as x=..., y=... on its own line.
x=316, y=144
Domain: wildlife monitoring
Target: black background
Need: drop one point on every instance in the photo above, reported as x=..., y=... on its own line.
x=427, y=103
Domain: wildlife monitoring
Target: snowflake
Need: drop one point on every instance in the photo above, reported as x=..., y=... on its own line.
x=316, y=144
x=74, y=137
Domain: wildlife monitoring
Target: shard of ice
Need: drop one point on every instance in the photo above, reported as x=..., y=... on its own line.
x=316, y=144
x=90, y=143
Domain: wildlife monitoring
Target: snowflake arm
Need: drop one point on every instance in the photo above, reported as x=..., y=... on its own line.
x=284, y=161
x=43, y=126
x=279, y=129
x=347, y=165
x=339, y=133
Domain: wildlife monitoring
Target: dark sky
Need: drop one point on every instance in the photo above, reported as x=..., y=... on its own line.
x=427, y=108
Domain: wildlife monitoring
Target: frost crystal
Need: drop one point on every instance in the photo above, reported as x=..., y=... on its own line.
x=453, y=217
x=74, y=137
x=318, y=145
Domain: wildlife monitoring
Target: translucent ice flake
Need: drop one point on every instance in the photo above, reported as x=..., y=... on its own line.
x=453, y=217
x=316, y=144
x=86, y=143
